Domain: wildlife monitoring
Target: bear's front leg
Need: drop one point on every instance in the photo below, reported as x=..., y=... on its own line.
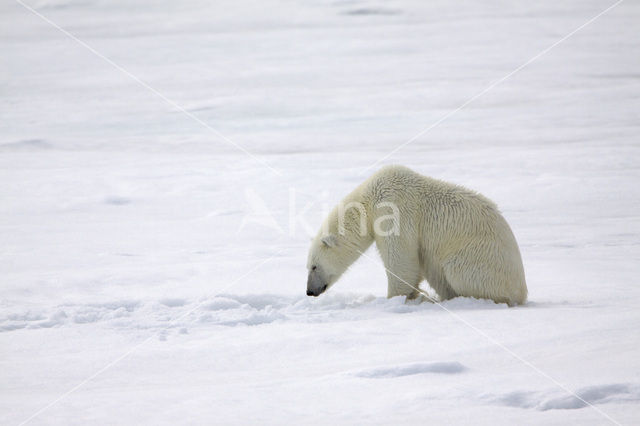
x=398, y=286
x=403, y=268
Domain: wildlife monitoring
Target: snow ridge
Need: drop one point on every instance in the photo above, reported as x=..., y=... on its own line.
x=224, y=310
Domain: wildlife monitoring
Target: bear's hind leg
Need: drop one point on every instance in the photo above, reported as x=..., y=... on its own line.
x=442, y=288
x=472, y=276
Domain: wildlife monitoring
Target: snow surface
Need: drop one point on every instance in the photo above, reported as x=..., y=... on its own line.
x=157, y=271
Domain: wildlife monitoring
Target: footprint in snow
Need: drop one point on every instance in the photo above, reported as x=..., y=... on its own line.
x=411, y=369
x=592, y=395
x=617, y=392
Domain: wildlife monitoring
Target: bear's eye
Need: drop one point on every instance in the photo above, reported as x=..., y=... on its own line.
x=313, y=268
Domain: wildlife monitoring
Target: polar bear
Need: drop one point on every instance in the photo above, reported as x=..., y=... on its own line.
x=423, y=228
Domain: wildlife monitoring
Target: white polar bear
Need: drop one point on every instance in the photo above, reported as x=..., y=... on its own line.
x=424, y=228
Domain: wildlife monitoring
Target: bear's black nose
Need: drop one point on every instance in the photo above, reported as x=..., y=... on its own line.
x=309, y=293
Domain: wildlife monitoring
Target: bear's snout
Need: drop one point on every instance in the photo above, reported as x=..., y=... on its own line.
x=316, y=283
x=316, y=293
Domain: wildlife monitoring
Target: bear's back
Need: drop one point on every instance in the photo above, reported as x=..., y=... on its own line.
x=437, y=211
x=400, y=184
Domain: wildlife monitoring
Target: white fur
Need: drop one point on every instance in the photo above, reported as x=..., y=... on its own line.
x=454, y=238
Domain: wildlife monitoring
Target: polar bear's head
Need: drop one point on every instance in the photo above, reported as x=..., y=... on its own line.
x=324, y=264
x=344, y=236
x=329, y=256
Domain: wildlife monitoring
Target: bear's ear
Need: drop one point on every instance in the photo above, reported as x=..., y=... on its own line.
x=330, y=240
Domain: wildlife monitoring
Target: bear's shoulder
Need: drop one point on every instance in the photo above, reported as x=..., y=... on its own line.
x=395, y=170
x=393, y=179
x=401, y=177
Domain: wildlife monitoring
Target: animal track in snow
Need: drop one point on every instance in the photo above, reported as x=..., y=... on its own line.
x=411, y=369
x=543, y=401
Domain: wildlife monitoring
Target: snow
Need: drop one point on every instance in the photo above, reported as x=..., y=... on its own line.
x=153, y=272
x=418, y=368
